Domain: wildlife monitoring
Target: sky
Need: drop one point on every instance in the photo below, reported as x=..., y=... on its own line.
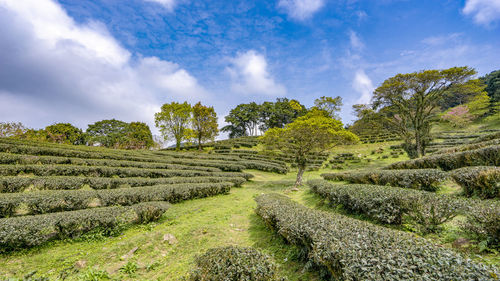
x=84, y=61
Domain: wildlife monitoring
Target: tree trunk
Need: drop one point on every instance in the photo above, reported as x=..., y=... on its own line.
x=178, y=144
x=418, y=142
x=199, y=143
x=300, y=173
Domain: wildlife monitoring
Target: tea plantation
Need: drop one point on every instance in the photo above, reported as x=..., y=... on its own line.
x=366, y=212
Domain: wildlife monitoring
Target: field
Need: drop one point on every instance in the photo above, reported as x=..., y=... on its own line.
x=211, y=203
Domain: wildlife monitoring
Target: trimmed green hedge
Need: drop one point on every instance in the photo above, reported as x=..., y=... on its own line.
x=483, y=221
x=41, y=202
x=424, y=179
x=29, y=231
x=20, y=184
x=7, y=158
x=390, y=204
x=233, y=263
x=486, y=156
x=481, y=181
x=103, y=171
x=349, y=249
x=466, y=147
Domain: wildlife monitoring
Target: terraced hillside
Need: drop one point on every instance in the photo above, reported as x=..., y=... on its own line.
x=85, y=213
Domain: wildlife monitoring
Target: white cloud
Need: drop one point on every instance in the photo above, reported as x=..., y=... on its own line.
x=363, y=85
x=250, y=75
x=53, y=69
x=168, y=4
x=483, y=11
x=355, y=41
x=301, y=9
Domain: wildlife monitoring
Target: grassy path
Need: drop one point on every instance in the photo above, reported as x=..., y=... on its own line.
x=197, y=225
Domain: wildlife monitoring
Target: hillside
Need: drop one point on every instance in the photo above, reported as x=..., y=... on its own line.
x=211, y=195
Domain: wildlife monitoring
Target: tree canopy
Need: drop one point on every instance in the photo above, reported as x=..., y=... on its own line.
x=65, y=133
x=204, y=123
x=314, y=132
x=330, y=105
x=174, y=122
x=412, y=99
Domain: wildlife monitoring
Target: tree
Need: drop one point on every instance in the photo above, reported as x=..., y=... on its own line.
x=412, y=99
x=11, y=129
x=173, y=121
x=204, y=123
x=330, y=105
x=492, y=82
x=108, y=133
x=278, y=114
x=314, y=132
x=243, y=120
x=138, y=136
x=458, y=116
x=65, y=133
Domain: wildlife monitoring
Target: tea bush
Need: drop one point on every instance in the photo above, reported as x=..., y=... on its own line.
x=478, y=181
x=348, y=249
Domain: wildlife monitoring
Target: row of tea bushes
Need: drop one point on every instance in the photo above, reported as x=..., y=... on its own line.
x=7, y=158
x=486, y=156
x=41, y=202
x=349, y=249
x=466, y=147
x=390, y=204
x=481, y=181
x=234, y=263
x=21, y=184
x=29, y=231
x=424, y=179
x=104, y=171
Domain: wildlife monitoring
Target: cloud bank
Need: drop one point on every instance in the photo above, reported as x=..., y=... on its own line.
x=484, y=12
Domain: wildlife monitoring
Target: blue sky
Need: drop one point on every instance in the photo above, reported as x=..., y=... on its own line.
x=84, y=61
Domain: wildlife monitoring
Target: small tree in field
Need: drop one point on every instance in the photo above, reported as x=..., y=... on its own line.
x=173, y=121
x=204, y=123
x=11, y=129
x=314, y=132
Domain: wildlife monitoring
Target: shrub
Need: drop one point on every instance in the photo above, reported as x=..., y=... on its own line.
x=478, y=181
x=390, y=204
x=424, y=179
x=482, y=221
x=19, y=184
x=30, y=231
x=486, y=156
x=42, y=202
x=234, y=263
x=348, y=249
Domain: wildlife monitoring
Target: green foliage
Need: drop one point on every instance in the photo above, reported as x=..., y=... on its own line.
x=138, y=136
x=243, y=120
x=204, y=123
x=107, y=133
x=481, y=181
x=129, y=268
x=174, y=120
x=30, y=231
x=64, y=133
x=330, y=105
x=492, y=82
x=423, y=179
x=482, y=221
x=391, y=204
x=233, y=263
x=413, y=99
x=93, y=274
x=349, y=249
x=479, y=105
x=11, y=129
x=41, y=202
x=486, y=156
x=312, y=133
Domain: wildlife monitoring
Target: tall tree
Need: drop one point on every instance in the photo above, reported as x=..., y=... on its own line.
x=65, y=133
x=11, y=129
x=138, y=136
x=412, y=99
x=204, y=123
x=174, y=121
x=278, y=114
x=108, y=133
x=492, y=82
x=313, y=132
x=243, y=120
x=330, y=105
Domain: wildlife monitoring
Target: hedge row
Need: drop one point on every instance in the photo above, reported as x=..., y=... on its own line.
x=103, y=171
x=234, y=263
x=492, y=136
x=29, y=231
x=482, y=221
x=486, y=156
x=466, y=147
x=348, y=249
x=424, y=179
x=41, y=150
x=7, y=158
x=266, y=166
x=481, y=181
x=41, y=202
x=390, y=204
